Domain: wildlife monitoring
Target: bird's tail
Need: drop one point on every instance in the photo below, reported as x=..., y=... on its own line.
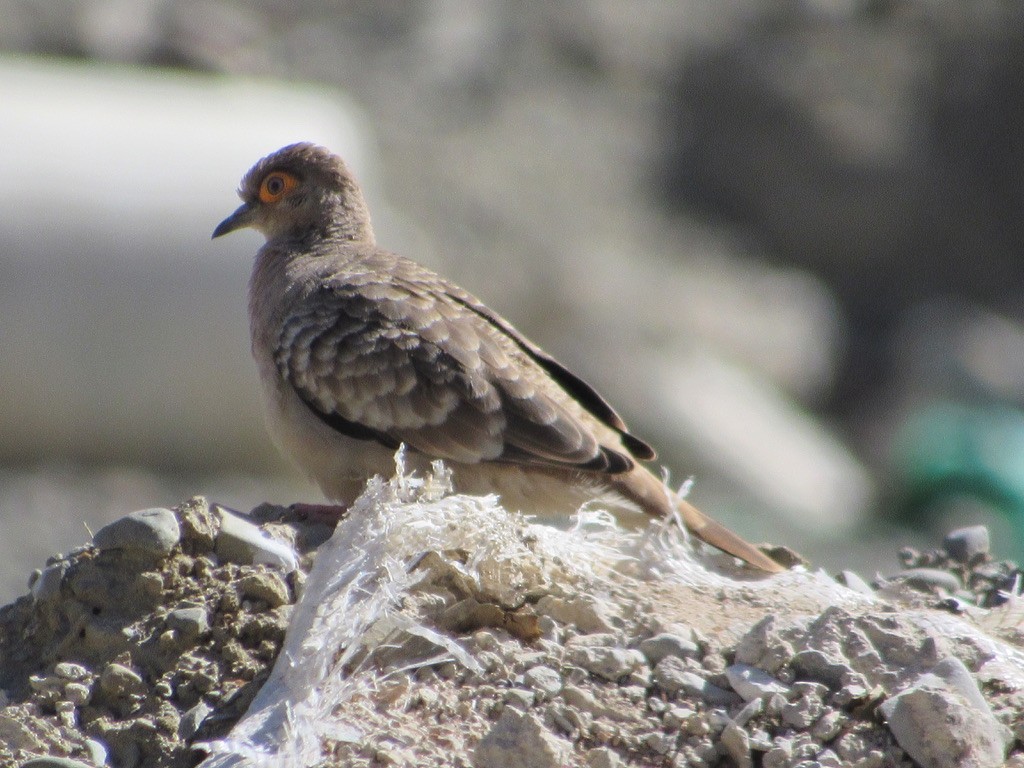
x=654, y=497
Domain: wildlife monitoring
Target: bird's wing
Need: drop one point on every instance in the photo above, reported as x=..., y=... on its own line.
x=587, y=396
x=402, y=362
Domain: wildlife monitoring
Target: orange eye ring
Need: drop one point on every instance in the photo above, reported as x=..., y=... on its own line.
x=276, y=185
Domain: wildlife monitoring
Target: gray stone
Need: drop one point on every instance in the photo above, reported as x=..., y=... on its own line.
x=519, y=698
x=45, y=683
x=762, y=648
x=942, y=721
x=967, y=545
x=820, y=666
x=266, y=586
x=672, y=676
x=828, y=726
x=68, y=670
x=667, y=644
x=151, y=532
x=582, y=699
x=852, y=747
x=469, y=615
x=802, y=712
x=751, y=709
x=189, y=622
x=657, y=742
x=929, y=578
x=17, y=735
x=118, y=680
x=603, y=758
x=594, y=640
x=561, y=720
x=582, y=612
x=54, y=762
x=47, y=585
x=518, y=740
x=239, y=541
x=608, y=663
x=97, y=751
x=77, y=694
x=778, y=756
x=753, y=683
x=675, y=717
x=855, y=582
x=736, y=744
x=544, y=681
x=190, y=722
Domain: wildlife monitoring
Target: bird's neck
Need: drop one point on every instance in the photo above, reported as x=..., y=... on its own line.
x=348, y=221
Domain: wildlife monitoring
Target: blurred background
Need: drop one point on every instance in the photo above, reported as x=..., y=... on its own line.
x=784, y=239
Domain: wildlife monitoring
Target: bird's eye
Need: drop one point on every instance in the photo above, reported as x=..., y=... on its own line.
x=276, y=185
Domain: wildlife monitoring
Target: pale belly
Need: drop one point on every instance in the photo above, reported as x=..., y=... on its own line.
x=340, y=466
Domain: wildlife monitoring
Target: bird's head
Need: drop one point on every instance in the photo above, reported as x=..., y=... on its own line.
x=300, y=192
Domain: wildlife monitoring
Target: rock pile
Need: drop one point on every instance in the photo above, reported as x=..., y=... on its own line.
x=590, y=647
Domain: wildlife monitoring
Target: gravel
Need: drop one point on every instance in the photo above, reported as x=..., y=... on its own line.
x=134, y=643
x=135, y=661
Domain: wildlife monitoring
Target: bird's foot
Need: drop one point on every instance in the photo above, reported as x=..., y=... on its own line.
x=327, y=514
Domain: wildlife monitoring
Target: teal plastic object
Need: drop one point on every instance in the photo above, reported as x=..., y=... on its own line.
x=953, y=450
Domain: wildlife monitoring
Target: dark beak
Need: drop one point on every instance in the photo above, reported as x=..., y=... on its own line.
x=242, y=217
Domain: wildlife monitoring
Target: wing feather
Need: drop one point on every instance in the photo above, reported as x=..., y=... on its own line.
x=410, y=361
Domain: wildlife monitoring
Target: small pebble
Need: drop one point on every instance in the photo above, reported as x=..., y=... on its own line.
x=593, y=640
x=70, y=671
x=97, y=751
x=828, y=759
x=736, y=743
x=519, y=698
x=855, y=582
x=929, y=578
x=666, y=644
x=581, y=699
x=153, y=532
x=609, y=663
x=545, y=681
x=239, y=541
x=802, y=712
x=47, y=585
x=54, y=762
x=967, y=545
x=753, y=683
x=77, y=694
x=582, y=612
x=776, y=757
x=266, y=586
x=659, y=742
x=752, y=709
x=190, y=622
x=828, y=726
x=675, y=717
x=518, y=740
x=672, y=676
x=118, y=680
x=603, y=758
